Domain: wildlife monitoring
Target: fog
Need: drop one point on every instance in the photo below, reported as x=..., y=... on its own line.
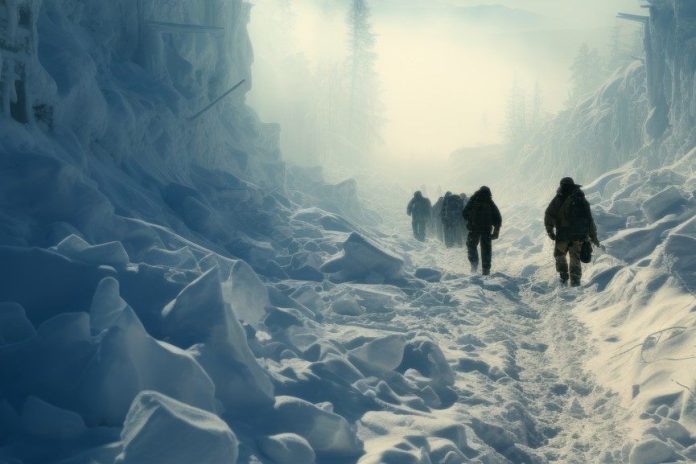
x=444, y=69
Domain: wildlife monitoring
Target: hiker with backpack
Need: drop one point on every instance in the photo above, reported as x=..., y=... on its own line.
x=419, y=208
x=483, y=220
x=569, y=223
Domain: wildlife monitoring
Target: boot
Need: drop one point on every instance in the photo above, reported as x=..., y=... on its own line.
x=564, y=280
x=474, y=268
x=574, y=282
x=486, y=272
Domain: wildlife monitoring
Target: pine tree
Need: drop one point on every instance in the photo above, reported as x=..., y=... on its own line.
x=516, y=118
x=586, y=73
x=363, y=119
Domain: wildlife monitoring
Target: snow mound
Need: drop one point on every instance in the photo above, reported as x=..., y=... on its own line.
x=384, y=353
x=287, y=448
x=14, y=325
x=161, y=429
x=364, y=261
x=326, y=432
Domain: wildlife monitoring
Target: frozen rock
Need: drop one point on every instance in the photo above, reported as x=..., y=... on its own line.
x=14, y=325
x=651, y=451
x=42, y=419
x=363, y=261
x=327, y=221
x=161, y=429
x=245, y=292
x=110, y=254
x=347, y=307
x=287, y=448
x=327, y=433
x=665, y=202
x=383, y=353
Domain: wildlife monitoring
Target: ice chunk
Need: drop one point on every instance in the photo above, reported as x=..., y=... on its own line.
x=200, y=316
x=182, y=258
x=383, y=353
x=45, y=420
x=107, y=305
x=129, y=361
x=665, y=202
x=363, y=261
x=64, y=285
x=110, y=254
x=651, y=451
x=246, y=293
x=347, y=307
x=14, y=325
x=326, y=432
x=161, y=429
x=287, y=448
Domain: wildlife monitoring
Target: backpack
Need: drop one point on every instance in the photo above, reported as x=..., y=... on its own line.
x=575, y=216
x=481, y=215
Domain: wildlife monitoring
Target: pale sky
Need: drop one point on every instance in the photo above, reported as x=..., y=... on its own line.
x=445, y=74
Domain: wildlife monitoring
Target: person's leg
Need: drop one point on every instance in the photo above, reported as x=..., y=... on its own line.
x=414, y=226
x=472, y=242
x=575, y=248
x=486, y=252
x=421, y=231
x=559, y=253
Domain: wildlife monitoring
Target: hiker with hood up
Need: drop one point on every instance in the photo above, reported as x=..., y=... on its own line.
x=483, y=220
x=436, y=219
x=569, y=223
x=419, y=208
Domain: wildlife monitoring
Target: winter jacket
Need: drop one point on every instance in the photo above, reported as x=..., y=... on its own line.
x=419, y=209
x=482, y=214
x=566, y=228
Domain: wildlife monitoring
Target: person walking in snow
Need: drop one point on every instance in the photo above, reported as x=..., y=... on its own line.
x=483, y=221
x=569, y=223
x=436, y=219
x=419, y=208
x=451, y=216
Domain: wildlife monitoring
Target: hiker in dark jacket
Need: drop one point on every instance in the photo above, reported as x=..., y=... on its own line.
x=452, y=222
x=569, y=223
x=483, y=221
x=419, y=209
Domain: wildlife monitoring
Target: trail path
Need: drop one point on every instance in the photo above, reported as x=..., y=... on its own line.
x=517, y=352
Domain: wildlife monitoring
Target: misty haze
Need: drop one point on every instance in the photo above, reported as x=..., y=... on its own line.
x=347, y=232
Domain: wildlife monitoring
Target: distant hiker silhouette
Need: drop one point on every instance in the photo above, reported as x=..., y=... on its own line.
x=419, y=209
x=483, y=220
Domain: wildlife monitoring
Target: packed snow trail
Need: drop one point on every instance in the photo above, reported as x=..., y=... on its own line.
x=517, y=353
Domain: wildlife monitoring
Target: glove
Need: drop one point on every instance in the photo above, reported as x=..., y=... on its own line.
x=551, y=235
x=496, y=234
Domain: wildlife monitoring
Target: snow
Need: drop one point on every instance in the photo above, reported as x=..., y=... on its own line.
x=171, y=291
x=161, y=429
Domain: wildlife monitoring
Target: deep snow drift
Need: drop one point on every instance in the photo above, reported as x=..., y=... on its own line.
x=171, y=292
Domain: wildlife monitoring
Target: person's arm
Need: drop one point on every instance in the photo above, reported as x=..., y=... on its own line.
x=593, y=227
x=497, y=222
x=550, y=218
x=409, y=208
